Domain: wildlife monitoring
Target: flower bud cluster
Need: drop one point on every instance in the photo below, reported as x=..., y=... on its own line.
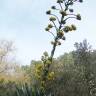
x=53, y=7
x=56, y=43
x=81, y=1
x=48, y=12
x=63, y=13
x=52, y=18
x=51, y=76
x=49, y=27
x=78, y=17
x=64, y=17
x=69, y=28
x=60, y=1
x=60, y=33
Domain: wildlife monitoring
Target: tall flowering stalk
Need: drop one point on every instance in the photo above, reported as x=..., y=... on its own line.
x=58, y=23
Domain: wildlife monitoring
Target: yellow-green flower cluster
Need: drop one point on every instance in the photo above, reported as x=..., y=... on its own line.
x=45, y=53
x=49, y=27
x=78, y=17
x=60, y=33
x=38, y=70
x=56, y=43
x=59, y=1
x=73, y=27
x=51, y=76
x=63, y=12
x=52, y=18
x=69, y=28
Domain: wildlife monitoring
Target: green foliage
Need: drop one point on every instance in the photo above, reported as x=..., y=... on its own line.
x=24, y=90
x=7, y=89
x=74, y=75
x=27, y=90
x=83, y=57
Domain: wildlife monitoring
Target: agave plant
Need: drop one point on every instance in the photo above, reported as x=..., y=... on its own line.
x=26, y=90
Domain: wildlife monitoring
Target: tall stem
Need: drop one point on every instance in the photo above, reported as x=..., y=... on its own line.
x=54, y=48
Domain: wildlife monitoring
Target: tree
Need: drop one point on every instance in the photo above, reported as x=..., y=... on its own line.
x=83, y=58
x=6, y=48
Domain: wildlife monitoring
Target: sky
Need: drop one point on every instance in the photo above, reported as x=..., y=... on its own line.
x=24, y=21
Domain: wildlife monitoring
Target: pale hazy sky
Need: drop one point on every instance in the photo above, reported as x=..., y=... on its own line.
x=23, y=22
